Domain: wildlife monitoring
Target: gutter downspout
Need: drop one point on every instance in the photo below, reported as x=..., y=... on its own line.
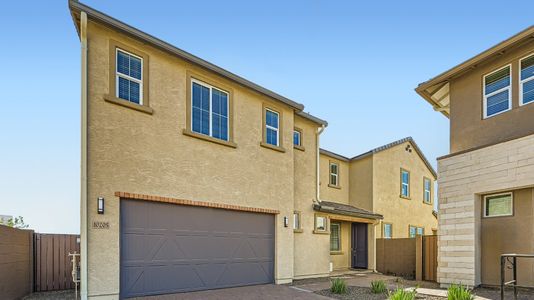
x=83, y=184
x=317, y=166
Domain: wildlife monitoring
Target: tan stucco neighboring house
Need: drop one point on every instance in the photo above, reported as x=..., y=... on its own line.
x=195, y=178
x=394, y=180
x=486, y=181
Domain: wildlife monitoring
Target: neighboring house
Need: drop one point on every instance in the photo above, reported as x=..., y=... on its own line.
x=485, y=183
x=394, y=180
x=195, y=178
x=4, y=219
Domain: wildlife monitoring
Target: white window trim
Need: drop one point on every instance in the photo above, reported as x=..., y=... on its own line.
x=485, y=97
x=335, y=174
x=296, y=219
x=273, y=128
x=501, y=215
x=300, y=136
x=127, y=77
x=316, y=225
x=521, y=82
x=390, y=230
x=429, y=191
x=405, y=184
x=211, y=87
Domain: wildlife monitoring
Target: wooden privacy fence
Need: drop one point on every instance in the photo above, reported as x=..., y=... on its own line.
x=16, y=262
x=53, y=266
x=429, y=257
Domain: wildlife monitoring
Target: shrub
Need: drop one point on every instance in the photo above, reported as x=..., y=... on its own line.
x=378, y=287
x=459, y=292
x=338, y=286
x=401, y=294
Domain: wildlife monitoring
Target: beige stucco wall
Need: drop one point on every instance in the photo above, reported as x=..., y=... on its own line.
x=304, y=195
x=341, y=259
x=401, y=212
x=338, y=194
x=463, y=179
x=361, y=183
x=135, y=152
x=468, y=129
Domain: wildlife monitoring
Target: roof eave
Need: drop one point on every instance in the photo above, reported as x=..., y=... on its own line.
x=346, y=213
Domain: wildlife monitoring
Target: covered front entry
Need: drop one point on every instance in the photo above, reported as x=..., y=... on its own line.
x=359, y=246
x=168, y=248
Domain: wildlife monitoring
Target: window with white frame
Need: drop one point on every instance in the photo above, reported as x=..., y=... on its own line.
x=427, y=188
x=129, y=77
x=335, y=237
x=497, y=92
x=526, y=83
x=296, y=220
x=272, y=125
x=334, y=174
x=405, y=183
x=415, y=230
x=320, y=223
x=498, y=205
x=209, y=110
x=297, y=137
x=388, y=230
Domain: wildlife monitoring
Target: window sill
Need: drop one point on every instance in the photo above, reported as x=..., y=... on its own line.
x=298, y=230
x=334, y=186
x=275, y=148
x=336, y=253
x=128, y=104
x=209, y=138
x=404, y=197
x=315, y=231
x=427, y=203
x=299, y=147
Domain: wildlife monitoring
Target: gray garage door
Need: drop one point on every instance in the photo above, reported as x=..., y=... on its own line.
x=167, y=248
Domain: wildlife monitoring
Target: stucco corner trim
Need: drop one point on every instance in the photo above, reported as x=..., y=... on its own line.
x=195, y=203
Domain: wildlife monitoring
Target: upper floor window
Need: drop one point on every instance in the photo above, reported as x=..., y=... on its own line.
x=414, y=231
x=427, y=190
x=526, y=84
x=405, y=183
x=272, y=125
x=297, y=137
x=497, y=92
x=209, y=113
x=129, y=77
x=296, y=220
x=498, y=205
x=388, y=230
x=334, y=174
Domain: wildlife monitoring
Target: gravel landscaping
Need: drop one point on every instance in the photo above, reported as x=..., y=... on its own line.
x=354, y=292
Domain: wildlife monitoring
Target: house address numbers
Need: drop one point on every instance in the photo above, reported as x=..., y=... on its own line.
x=100, y=225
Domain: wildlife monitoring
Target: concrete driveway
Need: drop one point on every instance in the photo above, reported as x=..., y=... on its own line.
x=255, y=292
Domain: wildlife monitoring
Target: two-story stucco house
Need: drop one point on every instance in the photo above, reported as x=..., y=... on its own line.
x=486, y=182
x=192, y=177
x=394, y=180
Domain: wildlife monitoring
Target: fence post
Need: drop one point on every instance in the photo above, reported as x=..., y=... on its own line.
x=418, y=257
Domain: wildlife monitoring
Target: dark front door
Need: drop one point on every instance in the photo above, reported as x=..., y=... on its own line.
x=359, y=245
x=167, y=248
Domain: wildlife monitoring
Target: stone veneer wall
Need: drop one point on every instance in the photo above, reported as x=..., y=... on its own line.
x=463, y=178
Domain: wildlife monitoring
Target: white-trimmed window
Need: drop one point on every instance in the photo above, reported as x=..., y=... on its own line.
x=334, y=174
x=526, y=83
x=498, y=205
x=272, y=125
x=415, y=230
x=129, y=77
x=427, y=190
x=297, y=138
x=335, y=237
x=296, y=220
x=405, y=183
x=209, y=110
x=388, y=230
x=497, y=92
x=321, y=223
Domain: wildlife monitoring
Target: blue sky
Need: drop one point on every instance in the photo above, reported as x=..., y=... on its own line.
x=353, y=63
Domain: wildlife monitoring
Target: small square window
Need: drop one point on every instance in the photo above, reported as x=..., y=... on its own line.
x=335, y=237
x=388, y=230
x=321, y=223
x=498, y=205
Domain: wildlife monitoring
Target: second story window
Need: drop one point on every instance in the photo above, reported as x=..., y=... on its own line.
x=334, y=174
x=209, y=113
x=296, y=138
x=129, y=77
x=405, y=183
x=427, y=190
x=272, y=124
x=526, y=84
x=497, y=92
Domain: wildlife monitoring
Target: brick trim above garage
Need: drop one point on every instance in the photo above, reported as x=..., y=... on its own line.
x=195, y=203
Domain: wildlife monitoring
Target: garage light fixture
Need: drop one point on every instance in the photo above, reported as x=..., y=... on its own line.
x=100, y=206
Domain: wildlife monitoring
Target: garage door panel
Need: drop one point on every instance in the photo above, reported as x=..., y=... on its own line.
x=168, y=248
